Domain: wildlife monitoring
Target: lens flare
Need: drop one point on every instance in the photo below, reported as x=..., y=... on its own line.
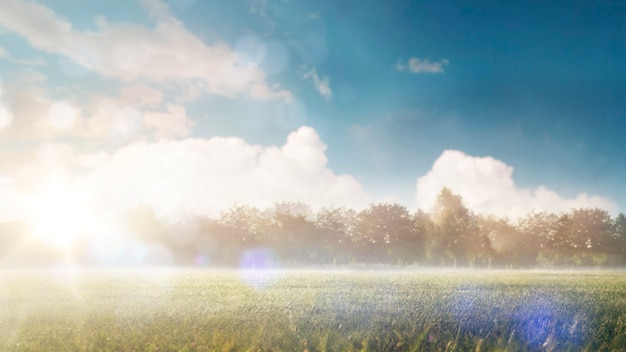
x=59, y=214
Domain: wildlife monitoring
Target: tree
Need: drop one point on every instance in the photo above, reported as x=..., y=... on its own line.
x=241, y=229
x=214, y=245
x=144, y=224
x=336, y=227
x=453, y=226
x=507, y=245
x=591, y=235
x=539, y=231
x=423, y=227
x=405, y=245
x=384, y=234
x=247, y=226
x=618, y=250
x=296, y=236
x=582, y=237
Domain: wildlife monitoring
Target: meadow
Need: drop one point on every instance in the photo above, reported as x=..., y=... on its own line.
x=210, y=310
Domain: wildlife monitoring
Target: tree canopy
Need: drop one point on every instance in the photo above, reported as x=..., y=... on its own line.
x=293, y=235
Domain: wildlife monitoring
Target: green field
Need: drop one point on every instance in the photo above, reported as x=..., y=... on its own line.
x=194, y=310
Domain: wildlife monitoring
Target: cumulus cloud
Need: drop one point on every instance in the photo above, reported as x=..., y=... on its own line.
x=27, y=167
x=181, y=177
x=321, y=84
x=487, y=186
x=168, y=52
x=200, y=176
x=417, y=65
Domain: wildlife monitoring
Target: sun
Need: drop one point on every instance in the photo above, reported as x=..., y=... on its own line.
x=58, y=215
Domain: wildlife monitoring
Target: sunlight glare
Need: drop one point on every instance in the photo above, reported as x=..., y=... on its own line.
x=59, y=215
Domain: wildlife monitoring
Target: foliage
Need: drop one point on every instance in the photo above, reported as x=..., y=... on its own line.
x=453, y=224
x=292, y=234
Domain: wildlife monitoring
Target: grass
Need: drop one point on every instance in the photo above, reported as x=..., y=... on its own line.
x=187, y=310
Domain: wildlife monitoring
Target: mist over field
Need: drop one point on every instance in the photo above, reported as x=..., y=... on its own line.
x=292, y=235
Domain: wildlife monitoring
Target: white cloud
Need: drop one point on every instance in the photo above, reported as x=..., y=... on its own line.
x=6, y=117
x=62, y=115
x=168, y=52
x=321, y=84
x=181, y=177
x=208, y=175
x=112, y=121
x=28, y=113
x=487, y=186
x=29, y=75
x=173, y=123
x=136, y=114
x=31, y=104
x=417, y=65
x=140, y=95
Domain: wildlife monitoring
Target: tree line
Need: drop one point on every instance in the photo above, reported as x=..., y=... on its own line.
x=290, y=234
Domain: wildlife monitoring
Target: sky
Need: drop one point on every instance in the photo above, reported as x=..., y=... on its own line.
x=193, y=106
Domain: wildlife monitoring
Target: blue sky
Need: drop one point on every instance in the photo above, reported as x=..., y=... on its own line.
x=383, y=90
